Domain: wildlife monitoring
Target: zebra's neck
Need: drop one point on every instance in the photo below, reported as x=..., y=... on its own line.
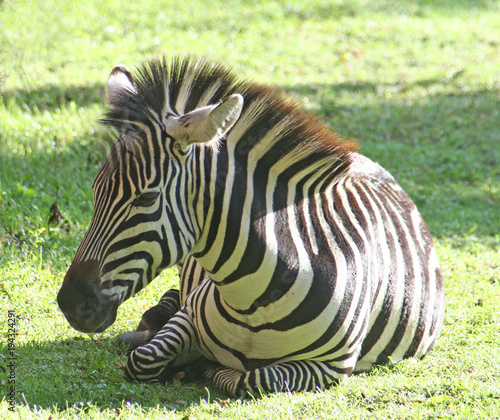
x=249, y=202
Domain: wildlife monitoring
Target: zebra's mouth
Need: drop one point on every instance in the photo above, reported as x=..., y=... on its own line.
x=108, y=321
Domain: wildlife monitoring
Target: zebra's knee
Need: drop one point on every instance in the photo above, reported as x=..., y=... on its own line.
x=157, y=316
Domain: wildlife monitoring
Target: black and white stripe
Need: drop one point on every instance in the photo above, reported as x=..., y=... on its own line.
x=303, y=260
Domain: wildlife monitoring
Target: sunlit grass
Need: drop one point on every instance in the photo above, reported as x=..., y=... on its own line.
x=417, y=82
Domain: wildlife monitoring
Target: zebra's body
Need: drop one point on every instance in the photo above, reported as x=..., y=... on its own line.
x=318, y=263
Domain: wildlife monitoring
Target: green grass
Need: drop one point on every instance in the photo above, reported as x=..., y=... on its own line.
x=417, y=82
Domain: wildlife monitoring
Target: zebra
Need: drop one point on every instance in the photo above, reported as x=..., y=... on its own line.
x=302, y=260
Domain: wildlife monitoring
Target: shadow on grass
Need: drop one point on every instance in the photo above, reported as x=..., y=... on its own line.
x=52, y=97
x=81, y=372
x=30, y=184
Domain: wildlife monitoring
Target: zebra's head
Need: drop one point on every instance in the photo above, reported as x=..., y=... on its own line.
x=144, y=194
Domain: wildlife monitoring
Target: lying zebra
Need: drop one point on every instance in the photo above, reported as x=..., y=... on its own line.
x=304, y=261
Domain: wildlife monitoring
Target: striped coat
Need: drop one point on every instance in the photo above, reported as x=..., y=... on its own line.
x=311, y=260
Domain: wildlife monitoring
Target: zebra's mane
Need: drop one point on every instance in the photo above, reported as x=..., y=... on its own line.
x=269, y=121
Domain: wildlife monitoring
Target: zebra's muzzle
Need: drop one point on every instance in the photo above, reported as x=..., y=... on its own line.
x=82, y=302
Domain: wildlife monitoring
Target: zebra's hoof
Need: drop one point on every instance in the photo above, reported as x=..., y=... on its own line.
x=134, y=339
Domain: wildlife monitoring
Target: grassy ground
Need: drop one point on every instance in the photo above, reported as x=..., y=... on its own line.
x=417, y=82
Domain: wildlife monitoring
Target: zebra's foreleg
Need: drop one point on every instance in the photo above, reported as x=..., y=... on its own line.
x=302, y=375
x=153, y=320
x=167, y=353
x=156, y=317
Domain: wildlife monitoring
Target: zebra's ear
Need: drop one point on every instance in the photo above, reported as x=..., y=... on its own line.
x=119, y=81
x=206, y=124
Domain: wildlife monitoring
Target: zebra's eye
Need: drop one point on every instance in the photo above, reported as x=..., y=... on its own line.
x=146, y=199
